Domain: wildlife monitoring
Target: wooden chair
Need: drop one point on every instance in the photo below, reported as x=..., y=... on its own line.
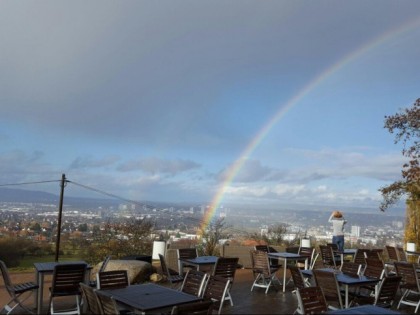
x=194, y=282
x=374, y=269
x=328, y=258
x=91, y=304
x=311, y=300
x=309, y=252
x=299, y=283
x=18, y=292
x=351, y=268
x=328, y=282
x=385, y=296
x=392, y=257
x=108, y=305
x=94, y=283
x=171, y=275
x=216, y=290
x=360, y=257
x=196, y=308
x=401, y=254
x=186, y=253
x=274, y=263
x=65, y=282
x=113, y=279
x=226, y=267
x=265, y=275
x=409, y=284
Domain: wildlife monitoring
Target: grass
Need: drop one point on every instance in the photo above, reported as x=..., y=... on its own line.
x=27, y=263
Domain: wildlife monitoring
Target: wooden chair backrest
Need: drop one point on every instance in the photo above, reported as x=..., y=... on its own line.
x=297, y=277
x=196, y=308
x=90, y=298
x=194, y=282
x=388, y=290
x=107, y=303
x=67, y=277
x=226, y=267
x=312, y=300
x=328, y=282
x=113, y=279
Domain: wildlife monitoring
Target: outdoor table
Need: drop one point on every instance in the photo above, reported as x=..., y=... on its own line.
x=150, y=297
x=364, y=309
x=346, y=280
x=43, y=268
x=288, y=256
x=200, y=261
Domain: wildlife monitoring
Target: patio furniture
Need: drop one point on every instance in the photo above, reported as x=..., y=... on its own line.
x=299, y=283
x=265, y=275
x=149, y=297
x=364, y=310
x=329, y=260
x=171, y=275
x=274, y=263
x=196, y=308
x=409, y=284
x=91, y=304
x=65, y=282
x=385, y=297
x=16, y=291
x=112, y=279
x=360, y=257
x=44, y=268
x=311, y=300
x=194, y=282
x=108, y=305
x=185, y=253
x=392, y=257
x=226, y=267
x=206, y=263
x=94, y=283
x=288, y=257
x=328, y=282
x=374, y=269
x=216, y=290
x=309, y=252
x=401, y=254
x=351, y=268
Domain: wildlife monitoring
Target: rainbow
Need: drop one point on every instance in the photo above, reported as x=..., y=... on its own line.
x=262, y=133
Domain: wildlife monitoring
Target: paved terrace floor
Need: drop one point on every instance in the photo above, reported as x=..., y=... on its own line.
x=245, y=301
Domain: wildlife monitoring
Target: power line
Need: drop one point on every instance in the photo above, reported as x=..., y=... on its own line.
x=29, y=183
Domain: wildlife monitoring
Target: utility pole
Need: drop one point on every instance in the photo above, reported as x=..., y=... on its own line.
x=60, y=213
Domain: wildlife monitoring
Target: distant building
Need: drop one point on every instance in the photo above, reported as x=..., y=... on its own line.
x=355, y=230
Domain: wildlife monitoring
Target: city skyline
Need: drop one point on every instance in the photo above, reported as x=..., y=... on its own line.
x=222, y=102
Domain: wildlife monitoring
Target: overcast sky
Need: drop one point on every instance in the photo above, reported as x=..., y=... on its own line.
x=262, y=102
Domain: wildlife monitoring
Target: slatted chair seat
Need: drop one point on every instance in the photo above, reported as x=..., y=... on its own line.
x=311, y=300
x=91, y=303
x=194, y=282
x=174, y=278
x=226, y=267
x=409, y=284
x=385, y=296
x=265, y=275
x=17, y=292
x=216, y=290
x=328, y=282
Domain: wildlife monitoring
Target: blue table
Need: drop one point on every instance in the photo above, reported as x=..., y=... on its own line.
x=364, y=309
x=200, y=261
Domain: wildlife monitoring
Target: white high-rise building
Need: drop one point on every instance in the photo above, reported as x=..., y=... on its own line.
x=355, y=230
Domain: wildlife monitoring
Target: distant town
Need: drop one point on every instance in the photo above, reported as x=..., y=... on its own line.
x=37, y=220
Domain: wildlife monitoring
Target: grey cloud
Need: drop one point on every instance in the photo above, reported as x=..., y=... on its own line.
x=154, y=165
x=90, y=162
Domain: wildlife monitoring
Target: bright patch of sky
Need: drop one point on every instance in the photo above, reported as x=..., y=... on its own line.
x=158, y=101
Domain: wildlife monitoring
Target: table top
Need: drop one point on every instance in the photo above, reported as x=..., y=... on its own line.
x=49, y=266
x=286, y=255
x=201, y=260
x=149, y=296
x=364, y=309
x=344, y=278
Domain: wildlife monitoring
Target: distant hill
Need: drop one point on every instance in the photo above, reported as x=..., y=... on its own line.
x=28, y=196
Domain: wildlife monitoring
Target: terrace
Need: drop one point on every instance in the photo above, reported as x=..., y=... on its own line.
x=245, y=302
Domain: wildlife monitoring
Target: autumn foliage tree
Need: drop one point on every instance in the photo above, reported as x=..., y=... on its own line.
x=406, y=126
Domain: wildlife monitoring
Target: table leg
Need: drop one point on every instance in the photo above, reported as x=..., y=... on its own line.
x=40, y=292
x=347, y=296
x=284, y=274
